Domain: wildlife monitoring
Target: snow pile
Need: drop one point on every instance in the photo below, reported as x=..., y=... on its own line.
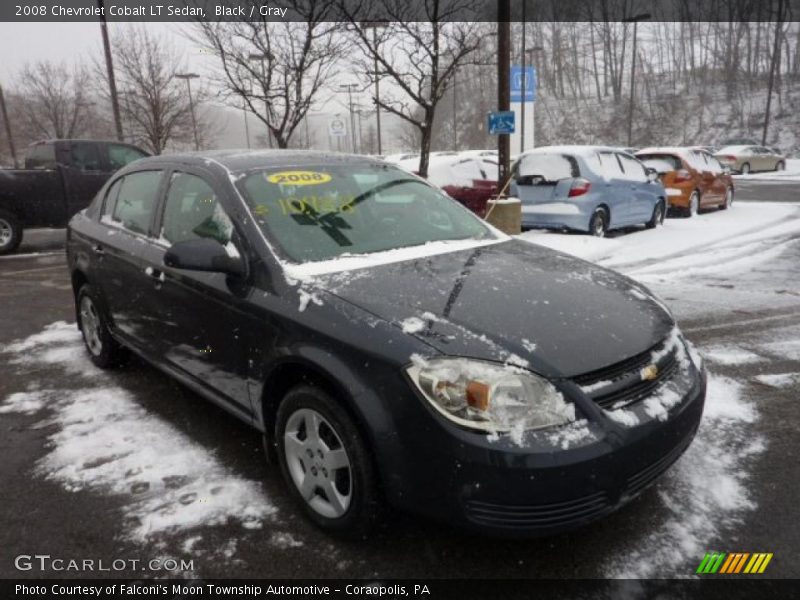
x=731, y=355
x=780, y=380
x=106, y=442
x=703, y=492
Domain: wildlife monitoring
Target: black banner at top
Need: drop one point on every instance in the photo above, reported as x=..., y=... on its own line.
x=393, y=10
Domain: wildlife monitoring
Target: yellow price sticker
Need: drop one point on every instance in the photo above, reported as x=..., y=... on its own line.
x=299, y=178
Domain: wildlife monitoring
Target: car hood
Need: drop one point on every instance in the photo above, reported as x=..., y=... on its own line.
x=513, y=302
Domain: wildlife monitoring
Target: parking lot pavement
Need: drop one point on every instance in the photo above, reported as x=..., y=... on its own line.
x=775, y=190
x=130, y=465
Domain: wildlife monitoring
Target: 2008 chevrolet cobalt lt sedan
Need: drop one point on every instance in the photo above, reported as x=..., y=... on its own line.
x=391, y=346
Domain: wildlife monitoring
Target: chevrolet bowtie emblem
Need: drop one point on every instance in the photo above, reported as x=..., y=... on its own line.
x=649, y=373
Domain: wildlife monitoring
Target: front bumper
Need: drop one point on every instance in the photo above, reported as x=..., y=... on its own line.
x=554, y=481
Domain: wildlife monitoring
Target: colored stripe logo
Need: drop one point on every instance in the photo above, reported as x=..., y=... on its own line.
x=734, y=563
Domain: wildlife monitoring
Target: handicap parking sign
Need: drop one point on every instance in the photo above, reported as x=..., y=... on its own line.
x=501, y=122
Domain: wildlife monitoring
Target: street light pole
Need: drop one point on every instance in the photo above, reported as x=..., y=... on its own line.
x=349, y=87
x=7, y=125
x=635, y=20
x=112, y=84
x=188, y=77
x=455, y=112
x=374, y=25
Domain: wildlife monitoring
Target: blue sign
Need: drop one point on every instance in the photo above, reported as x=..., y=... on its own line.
x=501, y=122
x=523, y=89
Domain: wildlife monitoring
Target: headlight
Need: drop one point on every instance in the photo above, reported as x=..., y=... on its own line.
x=489, y=396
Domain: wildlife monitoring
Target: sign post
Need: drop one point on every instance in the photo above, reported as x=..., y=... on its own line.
x=337, y=128
x=523, y=91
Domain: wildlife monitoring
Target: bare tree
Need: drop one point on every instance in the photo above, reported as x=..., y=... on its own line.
x=56, y=100
x=154, y=104
x=277, y=69
x=419, y=50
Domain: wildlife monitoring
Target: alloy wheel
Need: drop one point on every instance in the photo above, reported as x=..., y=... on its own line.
x=318, y=463
x=90, y=326
x=694, y=204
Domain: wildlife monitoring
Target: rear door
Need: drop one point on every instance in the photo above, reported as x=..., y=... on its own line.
x=124, y=254
x=643, y=192
x=620, y=193
x=205, y=320
x=84, y=173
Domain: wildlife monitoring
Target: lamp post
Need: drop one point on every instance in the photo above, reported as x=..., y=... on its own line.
x=503, y=88
x=7, y=125
x=635, y=20
x=112, y=84
x=188, y=77
x=349, y=87
x=529, y=52
x=375, y=25
x=262, y=58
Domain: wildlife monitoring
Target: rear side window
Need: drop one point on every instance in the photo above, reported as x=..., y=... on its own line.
x=536, y=169
x=634, y=171
x=192, y=211
x=119, y=156
x=661, y=162
x=136, y=201
x=41, y=156
x=85, y=156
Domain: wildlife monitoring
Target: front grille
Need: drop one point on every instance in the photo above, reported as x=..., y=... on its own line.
x=540, y=516
x=622, y=384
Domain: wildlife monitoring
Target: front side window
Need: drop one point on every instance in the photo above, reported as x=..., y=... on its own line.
x=322, y=212
x=192, y=212
x=119, y=156
x=634, y=171
x=136, y=201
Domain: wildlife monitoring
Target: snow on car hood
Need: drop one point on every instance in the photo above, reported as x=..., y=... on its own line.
x=512, y=302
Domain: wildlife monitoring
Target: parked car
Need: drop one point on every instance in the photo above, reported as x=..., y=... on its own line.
x=60, y=178
x=396, y=158
x=390, y=345
x=586, y=188
x=693, y=179
x=748, y=159
x=741, y=141
x=469, y=179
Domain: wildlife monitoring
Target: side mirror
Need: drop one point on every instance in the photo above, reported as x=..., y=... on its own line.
x=204, y=255
x=652, y=174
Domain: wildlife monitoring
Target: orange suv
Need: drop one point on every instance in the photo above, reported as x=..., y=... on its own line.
x=693, y=178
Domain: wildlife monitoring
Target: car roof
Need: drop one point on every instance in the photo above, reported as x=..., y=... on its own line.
x=737, y=148
x=574, y=150
x=245, y=160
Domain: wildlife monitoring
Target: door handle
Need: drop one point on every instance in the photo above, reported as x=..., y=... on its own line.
x=98, y=249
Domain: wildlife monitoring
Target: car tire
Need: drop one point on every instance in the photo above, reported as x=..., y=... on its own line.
x=10, y=232
x=694, y=205
x=745, y=168
x=780, y=165
x=728, y=202
x=330, y=474
x=658, y=216
x=104, y=351
x=598, y=225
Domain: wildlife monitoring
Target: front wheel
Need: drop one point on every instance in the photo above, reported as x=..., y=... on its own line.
x=326, y=463
x=658, y=216
x=10, y=232
x=598, y=226
x=745, y=168
x=780, y=165
x=104, y=351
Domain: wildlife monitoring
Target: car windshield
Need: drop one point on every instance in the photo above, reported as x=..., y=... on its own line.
x=321, y=212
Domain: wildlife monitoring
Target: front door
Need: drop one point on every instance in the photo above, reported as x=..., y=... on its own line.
x=206, y=329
